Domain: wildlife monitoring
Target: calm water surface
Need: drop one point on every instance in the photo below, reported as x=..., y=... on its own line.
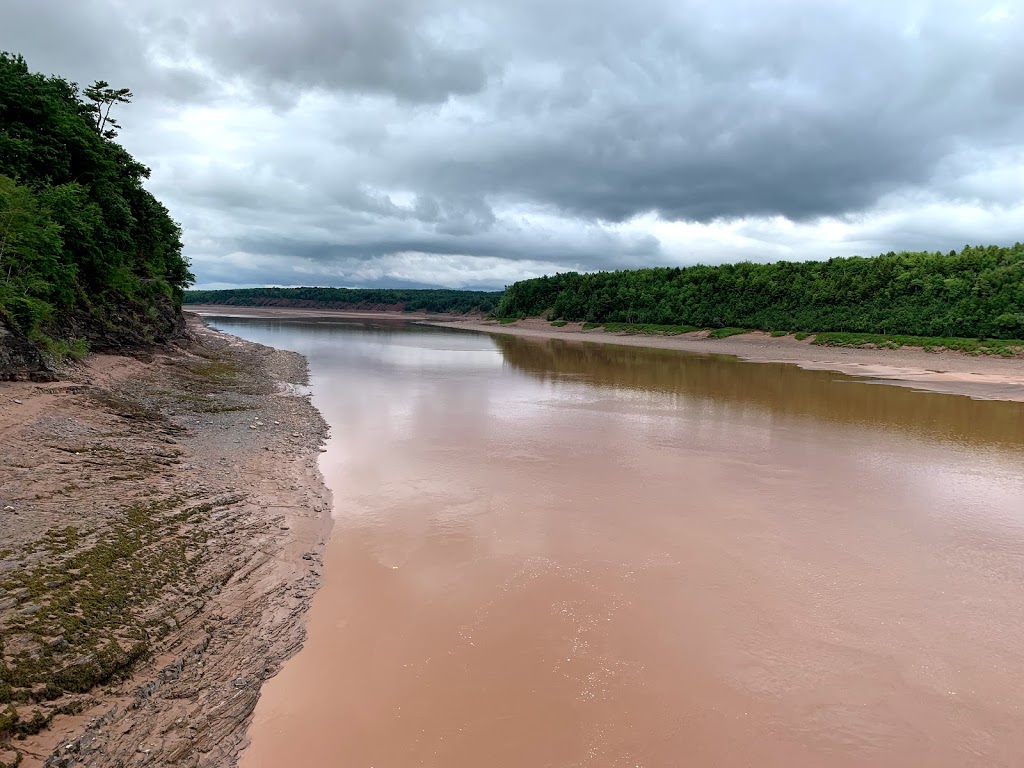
x=550, y=554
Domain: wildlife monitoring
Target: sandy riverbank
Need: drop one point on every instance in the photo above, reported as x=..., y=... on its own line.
x=183, y=490
x=979, y=376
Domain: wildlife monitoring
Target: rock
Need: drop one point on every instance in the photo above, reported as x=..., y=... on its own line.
x=240, y=682
x=17, y=401
x=19, y=358
x=9, y=508
x=308, y=556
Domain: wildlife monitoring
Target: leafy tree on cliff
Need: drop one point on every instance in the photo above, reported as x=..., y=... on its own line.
x=97, y=256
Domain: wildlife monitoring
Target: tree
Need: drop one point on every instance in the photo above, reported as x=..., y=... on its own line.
x=103, y=99
x=86, y=251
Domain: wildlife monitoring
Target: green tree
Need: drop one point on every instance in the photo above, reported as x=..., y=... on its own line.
x=103, y=99
x=94, y=253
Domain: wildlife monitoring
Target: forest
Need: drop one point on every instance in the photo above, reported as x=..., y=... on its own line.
x=977, y=292
x=396, y=299
x=88, y=257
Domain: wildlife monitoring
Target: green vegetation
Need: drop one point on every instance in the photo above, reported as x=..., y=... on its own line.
x=87, y=595
x=801, y=335
x=508, y=320
x=1004, y=347
x=724, y=333
x=407, y=300
x=976, y=293
x=560, y=323
x=88, y=257
x=649, y=328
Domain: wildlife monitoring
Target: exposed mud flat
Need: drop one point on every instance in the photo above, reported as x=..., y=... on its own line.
x=162, y=525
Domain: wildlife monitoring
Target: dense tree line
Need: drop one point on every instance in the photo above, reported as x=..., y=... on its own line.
x=398, y=299
x=87, y=254
x=978, y=292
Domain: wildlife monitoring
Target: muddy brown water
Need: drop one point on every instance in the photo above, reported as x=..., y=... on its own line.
x=551, y=554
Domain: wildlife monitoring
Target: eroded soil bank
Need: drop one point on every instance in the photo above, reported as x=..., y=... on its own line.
x=162, y=525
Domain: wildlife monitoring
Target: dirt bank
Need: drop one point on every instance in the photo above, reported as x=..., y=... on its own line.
x=162, y=524
x=982, y=377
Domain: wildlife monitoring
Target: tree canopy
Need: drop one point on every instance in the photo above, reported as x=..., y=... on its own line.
x=396, y=299
x=976, y=293
x=86, y=252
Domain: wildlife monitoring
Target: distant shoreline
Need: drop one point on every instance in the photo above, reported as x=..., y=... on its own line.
x=225, y=310
x=981, y=377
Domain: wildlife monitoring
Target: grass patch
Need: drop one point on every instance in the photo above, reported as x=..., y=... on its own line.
x=59, y=350
x=218, y=370
x=94, y=600
x=560, y=323
x=652, y=329
x=724, y=333
x=779, y=334
x=801, y=335
x=591, y=326
x=507, y=320
x=1002, y=347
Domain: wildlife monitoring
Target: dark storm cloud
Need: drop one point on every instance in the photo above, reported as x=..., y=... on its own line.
x=804, y=110
x=344, y=133
x=362, y=46
x=88, y=40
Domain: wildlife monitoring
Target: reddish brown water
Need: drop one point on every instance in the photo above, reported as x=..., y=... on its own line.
x=554, y=555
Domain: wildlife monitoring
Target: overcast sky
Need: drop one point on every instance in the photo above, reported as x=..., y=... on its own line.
x=470, y=143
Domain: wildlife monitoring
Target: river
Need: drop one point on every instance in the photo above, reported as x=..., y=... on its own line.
x=555, y=554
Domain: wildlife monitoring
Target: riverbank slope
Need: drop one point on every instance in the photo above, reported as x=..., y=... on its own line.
x=163, y=522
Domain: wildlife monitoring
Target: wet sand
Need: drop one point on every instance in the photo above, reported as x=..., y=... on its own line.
x=199, y=464
x=557, y=554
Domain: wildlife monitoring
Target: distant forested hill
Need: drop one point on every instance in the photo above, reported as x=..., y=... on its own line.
x=978, y=292
x=88, y=257
x=411, y=300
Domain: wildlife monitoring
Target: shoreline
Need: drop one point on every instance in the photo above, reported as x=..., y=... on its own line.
x=272, y=313
x=982, y=377
x=945, y=372
x=201, y=463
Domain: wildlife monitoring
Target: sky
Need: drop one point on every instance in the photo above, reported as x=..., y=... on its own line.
x=472, y=143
